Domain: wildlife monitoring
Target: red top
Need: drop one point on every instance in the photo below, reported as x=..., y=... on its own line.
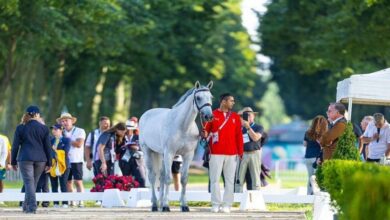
x=230, y=141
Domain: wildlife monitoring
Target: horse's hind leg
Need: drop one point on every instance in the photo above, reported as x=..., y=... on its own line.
x=152, y=176
x=184, y=179
x=167, y=179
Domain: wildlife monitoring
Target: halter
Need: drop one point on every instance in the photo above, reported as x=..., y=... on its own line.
x=196, y=103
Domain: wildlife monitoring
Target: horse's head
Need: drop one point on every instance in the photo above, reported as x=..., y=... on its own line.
x=202, y=100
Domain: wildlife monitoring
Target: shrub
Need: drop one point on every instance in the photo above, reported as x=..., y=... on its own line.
x=345, y=180
x=367, y=196
x=346, y=149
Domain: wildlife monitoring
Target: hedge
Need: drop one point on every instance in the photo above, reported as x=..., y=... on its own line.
x=358, y=190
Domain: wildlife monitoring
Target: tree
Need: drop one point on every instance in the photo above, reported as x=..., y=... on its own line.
x=315, y=44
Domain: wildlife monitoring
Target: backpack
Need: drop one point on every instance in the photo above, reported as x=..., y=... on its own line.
x=58, y=163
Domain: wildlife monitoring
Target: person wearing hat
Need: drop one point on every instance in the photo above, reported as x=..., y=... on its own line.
x=130, y=155
x=76, y=152
x=251, y=135
x=59, y=142
x=31, y=153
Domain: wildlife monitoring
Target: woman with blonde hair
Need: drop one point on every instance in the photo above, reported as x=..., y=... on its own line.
x=317, y=129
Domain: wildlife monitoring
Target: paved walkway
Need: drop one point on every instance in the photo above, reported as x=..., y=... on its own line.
x=144, y=213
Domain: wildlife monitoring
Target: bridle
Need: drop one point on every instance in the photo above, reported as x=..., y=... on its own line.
x=196, y=103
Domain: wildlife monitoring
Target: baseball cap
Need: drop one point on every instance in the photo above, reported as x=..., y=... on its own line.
x=32, y=109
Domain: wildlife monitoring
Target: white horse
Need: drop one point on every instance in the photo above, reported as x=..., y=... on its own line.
x=166, y=132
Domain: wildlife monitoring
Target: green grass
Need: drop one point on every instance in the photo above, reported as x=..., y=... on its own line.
x=307, y=208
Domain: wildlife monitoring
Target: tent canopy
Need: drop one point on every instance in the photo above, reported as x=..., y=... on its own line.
x=367, y=89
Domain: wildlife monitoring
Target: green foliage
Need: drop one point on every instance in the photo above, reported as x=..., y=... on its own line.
x=346, y=149
x=352, y=185
x=370, y=198
x=79, y=54
x=314, y=44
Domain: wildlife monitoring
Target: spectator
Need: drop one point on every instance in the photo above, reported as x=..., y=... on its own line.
x=313, y=135
x=91, y=150
x=337, y=127
x=377, y=135
x=226, y=145
x=31, y=153
x=110, y=140
x=251, y=135
x=4, y=161
x=76, y=152
x=176, y=169
x=59, y=142
x=363, y=146
x=130, y=156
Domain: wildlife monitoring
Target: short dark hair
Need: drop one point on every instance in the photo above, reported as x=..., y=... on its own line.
x=224, y=96
x=104, y=118
x=339, y=107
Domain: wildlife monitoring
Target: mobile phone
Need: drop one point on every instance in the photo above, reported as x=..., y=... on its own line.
x=245, y=116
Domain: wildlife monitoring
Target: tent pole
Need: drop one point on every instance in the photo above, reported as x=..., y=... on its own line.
x=349, y=109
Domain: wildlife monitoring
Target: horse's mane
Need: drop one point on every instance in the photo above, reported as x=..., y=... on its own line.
x=184, y=97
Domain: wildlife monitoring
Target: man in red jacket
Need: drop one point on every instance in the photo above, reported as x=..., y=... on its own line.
x=226, y=145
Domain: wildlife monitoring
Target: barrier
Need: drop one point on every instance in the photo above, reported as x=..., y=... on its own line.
x=135, y=196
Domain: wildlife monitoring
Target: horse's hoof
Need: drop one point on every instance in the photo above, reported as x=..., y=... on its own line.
x=154, y=209
x=165, y=209
x=185, y=209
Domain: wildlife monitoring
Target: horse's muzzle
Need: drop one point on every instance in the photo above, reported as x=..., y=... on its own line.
x=208, y=117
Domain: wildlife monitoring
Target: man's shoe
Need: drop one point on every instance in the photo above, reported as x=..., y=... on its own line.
x=215, y=208
x=56, y=206
x=65, y=206
x=225, y=209
x=98, y=203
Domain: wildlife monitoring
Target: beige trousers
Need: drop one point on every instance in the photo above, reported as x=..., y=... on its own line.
x=251, y=160
x=227, y=164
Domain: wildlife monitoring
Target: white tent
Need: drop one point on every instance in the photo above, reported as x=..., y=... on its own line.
x=367, y=89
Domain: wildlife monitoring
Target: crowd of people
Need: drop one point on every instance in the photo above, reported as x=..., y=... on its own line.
x=321, y=138
x=234, y=149
x=57, y=153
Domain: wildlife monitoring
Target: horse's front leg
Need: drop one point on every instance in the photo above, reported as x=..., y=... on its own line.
x=168, y=159
x=184, y=179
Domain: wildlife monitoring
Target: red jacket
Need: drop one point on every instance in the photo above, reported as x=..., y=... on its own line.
x=230, y=141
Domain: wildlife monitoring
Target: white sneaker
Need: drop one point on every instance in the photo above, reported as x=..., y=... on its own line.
x=65, y=206
x=225, y=209
x=98, y=203
x=215, y=208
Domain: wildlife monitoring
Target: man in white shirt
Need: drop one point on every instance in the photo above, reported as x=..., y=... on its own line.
x=76, y=152
x=377, y=135
x=91, y=151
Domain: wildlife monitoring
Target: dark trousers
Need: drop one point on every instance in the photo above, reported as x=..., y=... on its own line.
x=96, y=167
x=63, y=180
x=110, y=167
x=369, y=160
x=131, y=168
x=31, y=172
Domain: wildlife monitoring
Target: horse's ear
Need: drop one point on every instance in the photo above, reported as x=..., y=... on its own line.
x=197, y=85
x=210, y=85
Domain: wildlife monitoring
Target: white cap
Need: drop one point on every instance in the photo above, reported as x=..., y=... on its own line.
x=131, y=125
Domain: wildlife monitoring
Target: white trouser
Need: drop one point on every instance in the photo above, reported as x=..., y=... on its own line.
x=227, y=164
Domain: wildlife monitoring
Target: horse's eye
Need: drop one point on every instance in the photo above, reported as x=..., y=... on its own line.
x=198, y=98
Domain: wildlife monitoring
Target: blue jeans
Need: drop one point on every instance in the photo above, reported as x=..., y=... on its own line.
x=31, y=171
